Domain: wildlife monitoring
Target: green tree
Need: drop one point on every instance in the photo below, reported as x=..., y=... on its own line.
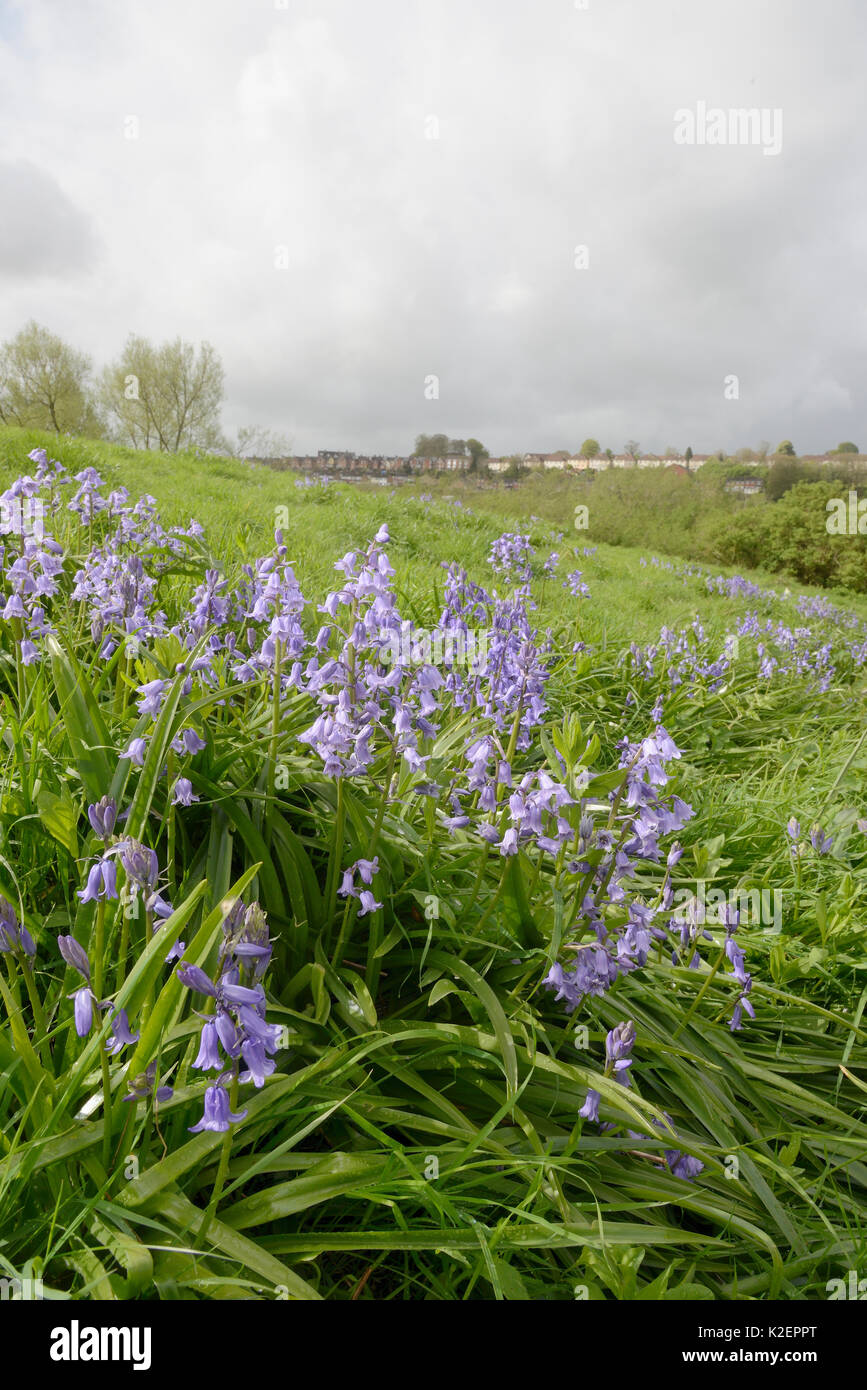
x=45, y=384
x=632, y=448
x=432, y=446
x=478, y=453
x=165, y=397
x=847, y=447
x=786, y=449
x=590, y=449
x=785, y=473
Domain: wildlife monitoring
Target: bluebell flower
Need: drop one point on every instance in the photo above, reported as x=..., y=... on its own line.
x=590, y=1109
x=208, y=1058
x=102, y=817
x=101, y=881
x=75, y=955
x=121, y=1033
x=217, y=1116
x=136, y=751
x=83, y=1007
x=182, y=793
x=14, y=936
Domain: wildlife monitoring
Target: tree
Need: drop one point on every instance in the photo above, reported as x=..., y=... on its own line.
x=255, y=441
x=785, y=473
x=165, y=397
x=432, y=446
x=688, y=455
x=590, y=449
x=478, y=453
x=786, y=449
x=609, y=454
x=847, y=447
x=45, y=384
x=632, y=447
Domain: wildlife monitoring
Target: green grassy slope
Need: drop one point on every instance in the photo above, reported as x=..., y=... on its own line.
x=473, y=1062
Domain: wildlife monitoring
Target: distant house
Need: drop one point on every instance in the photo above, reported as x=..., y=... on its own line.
x=747, y=487
x=680, y=469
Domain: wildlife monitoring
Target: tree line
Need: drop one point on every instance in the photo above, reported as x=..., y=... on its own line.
x=165, y=396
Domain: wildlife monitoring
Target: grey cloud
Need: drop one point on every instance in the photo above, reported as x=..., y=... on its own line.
x=42, y=232
x=407, y=256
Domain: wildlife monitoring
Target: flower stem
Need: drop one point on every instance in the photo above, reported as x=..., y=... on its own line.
x=98, y=954
x=222, y=1169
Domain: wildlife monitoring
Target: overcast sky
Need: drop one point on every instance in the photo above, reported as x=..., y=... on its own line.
x=348, y=199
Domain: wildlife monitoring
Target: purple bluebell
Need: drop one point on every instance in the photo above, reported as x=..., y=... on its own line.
x=14, y=936
x=101, y=881
x=74, y=955
x=590, y=1109
x=102, y=817
x=218, y=1116
x=182, y=792
x=121, y=1034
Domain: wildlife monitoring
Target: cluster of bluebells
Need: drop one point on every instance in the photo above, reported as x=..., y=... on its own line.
x=235, y=1039
x=111, y=583
x=615, y=928
x=31, y=561
x=365, y=869
x=322, y=480
x=681, y=571
x=576, y=585
x=680, y=659
x=817, y=655
x=510, y=684
x=736, y=586
x=785, y=651
x=511, y=555
x=139, y=863
x=367, y=702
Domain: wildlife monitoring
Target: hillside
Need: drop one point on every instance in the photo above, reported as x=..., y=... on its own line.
x=542, y=977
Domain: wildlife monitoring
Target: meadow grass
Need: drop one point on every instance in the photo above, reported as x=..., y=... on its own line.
x=420, y=1137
